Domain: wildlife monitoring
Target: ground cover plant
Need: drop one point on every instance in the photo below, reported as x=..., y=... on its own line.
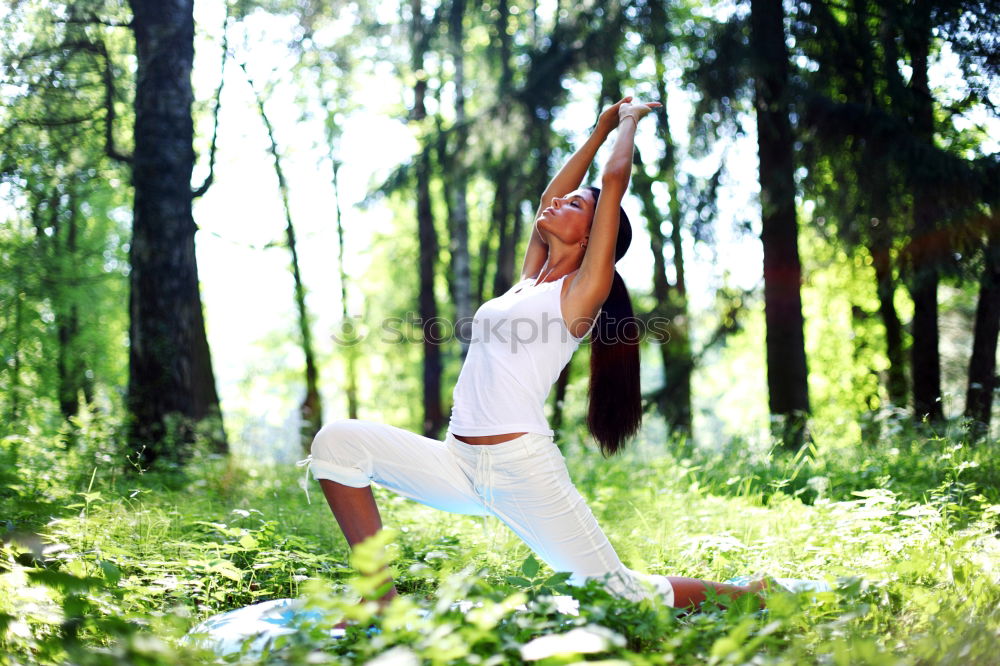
x=106, y=566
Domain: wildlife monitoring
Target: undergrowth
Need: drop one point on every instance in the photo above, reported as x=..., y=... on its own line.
x=103, y=566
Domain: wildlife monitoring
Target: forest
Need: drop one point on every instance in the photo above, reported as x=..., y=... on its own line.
x=226, y=224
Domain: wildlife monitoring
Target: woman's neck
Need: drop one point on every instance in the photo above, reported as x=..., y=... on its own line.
x=558, y=264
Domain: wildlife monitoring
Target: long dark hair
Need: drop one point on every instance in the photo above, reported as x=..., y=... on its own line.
x=614, y=410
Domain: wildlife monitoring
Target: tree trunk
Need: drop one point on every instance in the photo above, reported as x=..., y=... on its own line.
x=924, y=251
x=311, y=408
x=503, y=207
x=679, y=369
x=15, y=362
x=171, y=382
x=877, y=188
x=886, y=289
x=880, y=239
x=459, y=209
x=787, y=374
x=484, y=253
x=72, y=371
x=982, y=364
x=57, y=245
x=433, y=411
x=349, y=346
x=503, y=277
x=15, y=370
x=642, y=187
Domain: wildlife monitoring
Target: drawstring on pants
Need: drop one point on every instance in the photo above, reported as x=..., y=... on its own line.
x=484, y=475
x=304, y=482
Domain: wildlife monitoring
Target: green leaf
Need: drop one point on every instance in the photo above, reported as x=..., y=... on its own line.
x=530, y=567
x=518, y=581
x=64, y=581
x=248, y=542
x=111, y=572
x=227, y=569
x=558, y=578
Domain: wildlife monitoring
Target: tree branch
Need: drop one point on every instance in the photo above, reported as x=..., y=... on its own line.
x=218, y=105
x=50, y=122
x=108, y=81
x=94, y=20
x=109, y=105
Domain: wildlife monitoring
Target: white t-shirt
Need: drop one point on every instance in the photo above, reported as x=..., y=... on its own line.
x=519, y=343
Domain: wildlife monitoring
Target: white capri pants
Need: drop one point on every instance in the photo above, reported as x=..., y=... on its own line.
x=523, y=482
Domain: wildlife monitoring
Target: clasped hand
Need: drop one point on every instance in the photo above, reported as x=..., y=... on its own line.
x=611, y=116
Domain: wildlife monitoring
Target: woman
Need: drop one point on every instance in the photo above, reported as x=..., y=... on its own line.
x=498, y=456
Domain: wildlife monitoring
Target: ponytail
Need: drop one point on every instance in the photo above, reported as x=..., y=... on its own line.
x=614, y=410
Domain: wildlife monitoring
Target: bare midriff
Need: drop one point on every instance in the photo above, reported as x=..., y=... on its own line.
x=489, y=439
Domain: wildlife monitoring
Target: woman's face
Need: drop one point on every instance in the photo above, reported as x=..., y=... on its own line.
x=568, y=218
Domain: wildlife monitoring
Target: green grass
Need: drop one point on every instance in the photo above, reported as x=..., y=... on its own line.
x=126, y=563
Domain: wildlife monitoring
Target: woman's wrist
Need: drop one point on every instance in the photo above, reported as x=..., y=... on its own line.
x=625, y=116
x=601, y=133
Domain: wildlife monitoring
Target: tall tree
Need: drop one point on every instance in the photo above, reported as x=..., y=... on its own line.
x=863, y=199
x=859, y=66
x=73, y=378
x=971, y=28
x=311, y=407
x=983, y=382
x=504, y=210
x=673, y=400
x=457, y=179
x=787, y=374
x=326, y=64
x=171, y=382
x=350, y=352
x=881, y=233
x=420, y=35
x=878, y=132
x=926, y=248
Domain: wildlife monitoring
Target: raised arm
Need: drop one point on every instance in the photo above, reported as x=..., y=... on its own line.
x=567, y=180
x=592, y=283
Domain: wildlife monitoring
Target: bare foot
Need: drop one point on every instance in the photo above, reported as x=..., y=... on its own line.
x=762, y=588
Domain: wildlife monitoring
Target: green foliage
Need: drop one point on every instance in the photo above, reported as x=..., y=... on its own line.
x=943, y=469
x=63, y=248
x=102, y=568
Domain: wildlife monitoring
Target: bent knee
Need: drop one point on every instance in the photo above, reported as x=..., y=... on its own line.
x=337, y=455
x=332, y=436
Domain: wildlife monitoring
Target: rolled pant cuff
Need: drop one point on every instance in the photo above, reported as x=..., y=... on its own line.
x=348, y=476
